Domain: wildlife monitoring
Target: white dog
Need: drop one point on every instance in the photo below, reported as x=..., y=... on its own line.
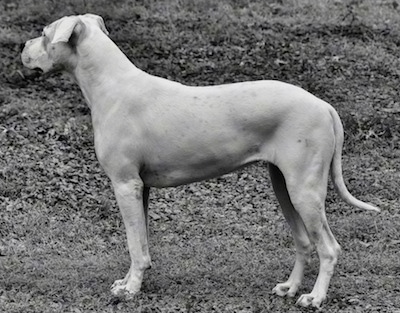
x=152, y=132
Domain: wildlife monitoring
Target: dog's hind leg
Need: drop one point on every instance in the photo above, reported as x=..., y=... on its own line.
x=307, y=182
x=301, y=240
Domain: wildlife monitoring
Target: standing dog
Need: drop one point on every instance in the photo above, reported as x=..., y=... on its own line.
x=152, y=132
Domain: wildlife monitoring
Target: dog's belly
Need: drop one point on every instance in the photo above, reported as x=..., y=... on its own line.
x=173, y=168
x=169, y=177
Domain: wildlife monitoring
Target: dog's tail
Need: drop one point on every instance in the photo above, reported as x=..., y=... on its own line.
x=336, y=167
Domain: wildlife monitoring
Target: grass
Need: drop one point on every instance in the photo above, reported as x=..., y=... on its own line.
x=219, y=245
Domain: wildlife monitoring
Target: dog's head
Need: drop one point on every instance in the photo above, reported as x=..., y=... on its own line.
x=55, y=49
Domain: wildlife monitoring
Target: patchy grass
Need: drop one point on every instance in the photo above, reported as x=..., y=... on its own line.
x=219, y=245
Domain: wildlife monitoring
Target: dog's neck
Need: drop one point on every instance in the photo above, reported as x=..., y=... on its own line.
x=102, y=66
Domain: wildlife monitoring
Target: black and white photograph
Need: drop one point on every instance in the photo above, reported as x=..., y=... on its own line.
x=190, y=156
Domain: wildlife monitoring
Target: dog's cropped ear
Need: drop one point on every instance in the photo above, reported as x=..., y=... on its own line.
x=99, y=21
x=66, y=28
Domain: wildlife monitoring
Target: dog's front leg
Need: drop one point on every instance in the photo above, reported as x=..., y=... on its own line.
x=132, y=199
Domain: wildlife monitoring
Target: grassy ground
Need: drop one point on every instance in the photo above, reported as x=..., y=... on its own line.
x=219, y=245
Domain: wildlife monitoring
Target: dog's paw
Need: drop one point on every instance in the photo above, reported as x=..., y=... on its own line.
x=121, y=289
x=285, y=289
x=309, y=300
x=117, y=283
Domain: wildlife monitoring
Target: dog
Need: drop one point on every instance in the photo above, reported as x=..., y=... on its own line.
x=153, y=132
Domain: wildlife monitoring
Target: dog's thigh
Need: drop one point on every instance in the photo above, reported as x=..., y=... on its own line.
x=292, y=216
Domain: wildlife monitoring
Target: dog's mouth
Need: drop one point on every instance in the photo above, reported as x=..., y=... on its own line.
x=32, y=73
x=38, y=70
